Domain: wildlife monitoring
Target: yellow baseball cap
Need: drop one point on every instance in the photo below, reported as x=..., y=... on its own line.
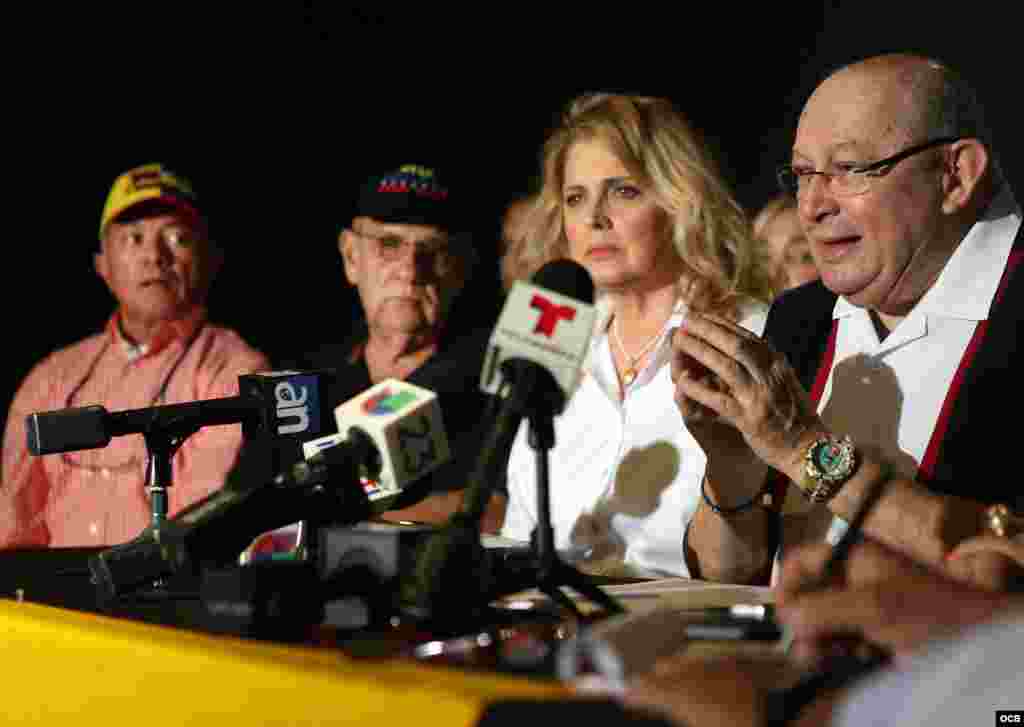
x=148, y=183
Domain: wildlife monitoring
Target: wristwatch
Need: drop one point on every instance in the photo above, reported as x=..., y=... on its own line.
x=828, y=464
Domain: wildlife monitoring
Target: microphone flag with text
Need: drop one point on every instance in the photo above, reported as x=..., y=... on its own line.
x=278, y=411
x=533, y=365
x=389, y=436
x=545, y=323
x=297, y=411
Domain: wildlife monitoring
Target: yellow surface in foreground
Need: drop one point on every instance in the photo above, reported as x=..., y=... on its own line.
x=66, y=667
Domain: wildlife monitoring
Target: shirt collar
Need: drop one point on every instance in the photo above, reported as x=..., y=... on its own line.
x=968, y=283
x=174, y=330
x=605, y=313
x=592, y=364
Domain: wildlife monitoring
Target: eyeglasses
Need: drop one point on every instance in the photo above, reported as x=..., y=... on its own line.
x=849, y=179
x=392, y=249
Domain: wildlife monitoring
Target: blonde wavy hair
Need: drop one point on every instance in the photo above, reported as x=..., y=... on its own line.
x=710, y=230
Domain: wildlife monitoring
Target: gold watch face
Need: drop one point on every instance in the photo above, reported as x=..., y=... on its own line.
x=828, y=458
x=830, y=461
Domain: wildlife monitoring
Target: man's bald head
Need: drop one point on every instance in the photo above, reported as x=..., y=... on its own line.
x=923, y=97
x=883, y=245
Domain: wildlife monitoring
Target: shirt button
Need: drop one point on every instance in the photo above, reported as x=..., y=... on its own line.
x=94, y=529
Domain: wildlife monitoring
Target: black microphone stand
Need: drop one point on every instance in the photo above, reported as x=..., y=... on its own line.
x=161, y=444
x=552, y=572
x=454, y=577
x=162, y=439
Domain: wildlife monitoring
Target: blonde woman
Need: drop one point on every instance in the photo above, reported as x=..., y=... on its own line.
x=631, y=194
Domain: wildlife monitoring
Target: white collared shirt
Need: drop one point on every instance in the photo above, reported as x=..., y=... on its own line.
x=887, y=395
x=624, y=475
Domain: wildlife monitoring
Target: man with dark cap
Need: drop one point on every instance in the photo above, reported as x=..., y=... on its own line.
x=157, y=348
x=410, y=260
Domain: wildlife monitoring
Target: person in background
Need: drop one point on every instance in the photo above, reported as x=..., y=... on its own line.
x=409, y=255
x=788, y=251
x=157, y=259
x=515, y=226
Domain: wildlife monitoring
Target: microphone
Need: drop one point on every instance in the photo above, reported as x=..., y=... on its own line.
x=379, y=436
x=92, y=427
x=403, y=421
x=277, y=404
x=533, y=360
x=545, y=324
x=277, y=410
x=532, y=365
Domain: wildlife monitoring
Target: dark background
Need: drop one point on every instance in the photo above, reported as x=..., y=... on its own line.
x=278, y=113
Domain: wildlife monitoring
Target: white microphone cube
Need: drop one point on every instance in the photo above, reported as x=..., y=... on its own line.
x=404, y=421
x=542, y=326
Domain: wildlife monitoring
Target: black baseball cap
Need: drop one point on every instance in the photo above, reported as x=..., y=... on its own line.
x=412, y=194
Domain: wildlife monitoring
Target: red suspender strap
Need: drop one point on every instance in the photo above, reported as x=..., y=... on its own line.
x=931, y=455
x=825, y=366
x=778, y=488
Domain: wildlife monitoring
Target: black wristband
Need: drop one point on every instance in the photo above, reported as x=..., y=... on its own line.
x=723, y=511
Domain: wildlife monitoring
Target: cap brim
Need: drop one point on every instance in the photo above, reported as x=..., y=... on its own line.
x=155, y=205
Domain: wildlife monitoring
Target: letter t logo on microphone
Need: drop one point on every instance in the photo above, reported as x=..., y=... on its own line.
x=550, y=314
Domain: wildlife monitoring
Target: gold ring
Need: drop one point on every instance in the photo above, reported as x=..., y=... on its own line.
x=1001, y=522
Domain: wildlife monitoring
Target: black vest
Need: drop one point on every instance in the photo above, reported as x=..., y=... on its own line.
x=977, y=457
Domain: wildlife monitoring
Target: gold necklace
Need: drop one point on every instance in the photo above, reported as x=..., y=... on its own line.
x=629, y=375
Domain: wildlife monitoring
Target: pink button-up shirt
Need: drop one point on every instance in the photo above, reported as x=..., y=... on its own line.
x=97, y=497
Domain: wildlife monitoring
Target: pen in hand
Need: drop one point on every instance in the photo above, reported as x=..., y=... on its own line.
x=841, y=551
x=869, y=654
x=863, y=657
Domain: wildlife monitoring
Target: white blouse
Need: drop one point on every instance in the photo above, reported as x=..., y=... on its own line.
x=624, y=475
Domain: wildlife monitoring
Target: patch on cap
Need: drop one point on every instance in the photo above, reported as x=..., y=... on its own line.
x=147, y=183
x=412, y=194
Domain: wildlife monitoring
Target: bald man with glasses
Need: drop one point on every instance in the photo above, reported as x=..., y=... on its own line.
x=896, y=372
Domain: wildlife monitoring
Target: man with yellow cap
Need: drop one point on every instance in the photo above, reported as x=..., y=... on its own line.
x=158, y=348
